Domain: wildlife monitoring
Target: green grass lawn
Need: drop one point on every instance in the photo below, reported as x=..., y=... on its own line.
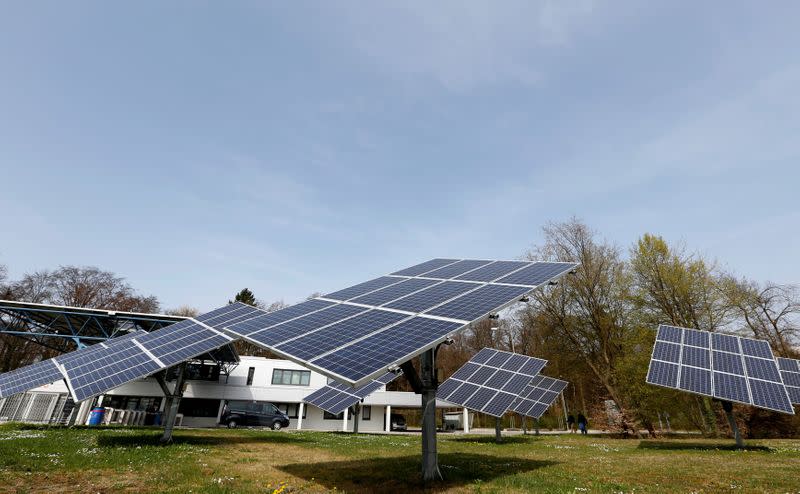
x=57, y=459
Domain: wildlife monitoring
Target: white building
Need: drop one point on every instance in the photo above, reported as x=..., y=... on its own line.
x=280, y=382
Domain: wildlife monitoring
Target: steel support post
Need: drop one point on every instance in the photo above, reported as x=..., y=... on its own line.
x=172, y=404
x=430, y=460
x=498, y=438
x=728, y=407
x=356, y=415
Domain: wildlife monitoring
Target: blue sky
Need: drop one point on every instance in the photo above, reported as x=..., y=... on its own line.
x=290, y=147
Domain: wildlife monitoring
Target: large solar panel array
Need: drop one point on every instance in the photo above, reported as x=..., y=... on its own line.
x=790, y=372
x=336, y=398
x=490, y=381
x=538, y=396
x=352, y=335
x=48, y=371
x=359, y=332
x=726, y=367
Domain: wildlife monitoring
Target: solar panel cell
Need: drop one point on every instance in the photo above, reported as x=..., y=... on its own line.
x=669, y=333
x=377, y=352
x=725, y=343
x=696, y=380
x=499, y=359
x=762, y=368
x=730, y=387
x=478, y=303
x=424, y=267
x=515, y=363
x=482, y=375
x=770, y=395
x=696, y=338
x=516, y=384
x=447, y=387
x=663, y=374
x=463, y=393
x=465, y=371
x=305, y=324
x=537, y=273
x=269, y=319
x=29, y=377
x=362, y=288
x=480, y=399
x=393, y=292
x=498, y=405
x=492, y=271
x=697, y=357
x=727, y=362
x=756, y=348
x=794, y=394
x=498, y=380
x=430, y=297
x=483, y=356
x=456, y=269
x=668, y=352
x=788, y=364
x=533, y=366
x=324, y=340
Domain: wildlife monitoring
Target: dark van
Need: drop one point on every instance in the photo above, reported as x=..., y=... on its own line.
x=253, y=413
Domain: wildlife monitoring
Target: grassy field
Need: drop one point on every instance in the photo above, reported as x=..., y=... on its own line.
x=42, y=459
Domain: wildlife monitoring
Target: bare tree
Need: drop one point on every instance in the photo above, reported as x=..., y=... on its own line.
x=184, y=311
x=771, y=312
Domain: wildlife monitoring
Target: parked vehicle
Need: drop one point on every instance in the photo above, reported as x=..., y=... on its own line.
x=254, y=414
x=398, y=422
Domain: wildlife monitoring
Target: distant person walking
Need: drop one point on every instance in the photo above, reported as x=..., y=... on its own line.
x=571, y=423
x=582, y=424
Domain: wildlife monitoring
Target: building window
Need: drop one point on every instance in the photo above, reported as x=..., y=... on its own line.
x=290, y=409
x=366, y=412
x=291, y=377
x=250, y=373
x=140, y=403
x=198, y=407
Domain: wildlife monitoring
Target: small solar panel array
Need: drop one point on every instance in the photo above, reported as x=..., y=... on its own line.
x=538, y=396
x=359, y=332
x=336, y=398
x=726, y=367
x=491, y=381
x=790, y=372
x=48, y=371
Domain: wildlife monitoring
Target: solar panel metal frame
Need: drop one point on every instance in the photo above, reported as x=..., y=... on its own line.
x=310, y=364
x=477, y=364
x=712, y=370
x=334, y=394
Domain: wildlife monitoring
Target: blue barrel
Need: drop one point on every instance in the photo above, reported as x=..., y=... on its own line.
x=96, y=416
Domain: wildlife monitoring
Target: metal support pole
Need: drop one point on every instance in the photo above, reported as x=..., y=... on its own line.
x=728, y=407
x=498, y=438
x=465, y=417
x=524, y=424
x=345, y=417
x=173, y=402
x=536, y=424
x=566, y=412
x=300, y=411
x=388, y=419
x=430, y=459
x=356, y=414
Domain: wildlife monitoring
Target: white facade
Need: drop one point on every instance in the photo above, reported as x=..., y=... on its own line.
x=235, y=386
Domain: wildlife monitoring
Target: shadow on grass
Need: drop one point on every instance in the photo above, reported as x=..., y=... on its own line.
x=524, y=439
x=706, y=446
x=402, y=473
x=152, y=439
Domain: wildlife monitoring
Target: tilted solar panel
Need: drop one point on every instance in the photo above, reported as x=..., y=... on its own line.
x=47, y=371
x=147, y=353
x=362, y=334
x=336, y=398
x=538, y=396
x=722, y=366
x=490, y=381
x=790, y=373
